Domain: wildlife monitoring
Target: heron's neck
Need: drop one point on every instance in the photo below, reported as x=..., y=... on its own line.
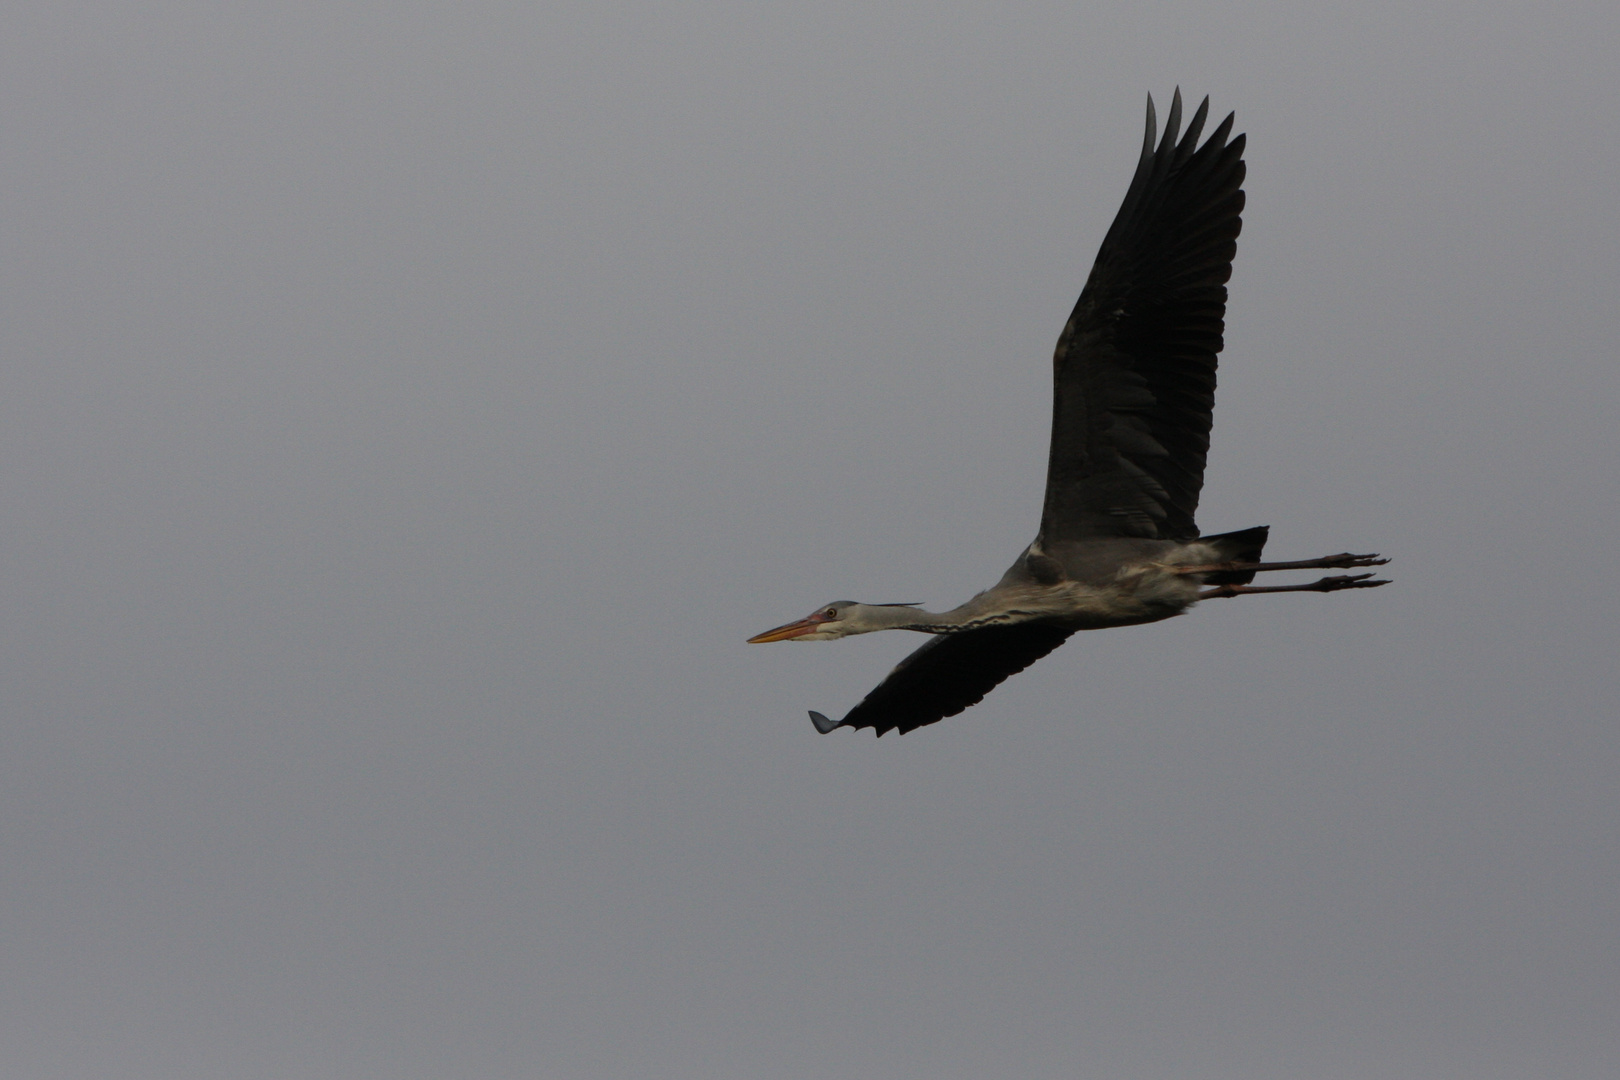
x=966, y=617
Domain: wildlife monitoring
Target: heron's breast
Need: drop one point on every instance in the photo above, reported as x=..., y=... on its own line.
x=1142, y=595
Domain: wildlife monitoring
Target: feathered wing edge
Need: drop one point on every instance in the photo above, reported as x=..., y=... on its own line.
x=947, y=675
x=1134, y=369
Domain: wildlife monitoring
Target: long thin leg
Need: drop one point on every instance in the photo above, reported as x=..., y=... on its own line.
x=1342, y=562
x=1327, y=584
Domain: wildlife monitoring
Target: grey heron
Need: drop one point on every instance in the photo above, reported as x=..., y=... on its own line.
x=1134, y=386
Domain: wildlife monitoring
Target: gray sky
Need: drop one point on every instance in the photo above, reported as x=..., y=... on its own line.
x=407, y=410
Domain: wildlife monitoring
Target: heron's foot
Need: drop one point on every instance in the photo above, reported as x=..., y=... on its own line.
x=1342, y=561
x=1327, y=584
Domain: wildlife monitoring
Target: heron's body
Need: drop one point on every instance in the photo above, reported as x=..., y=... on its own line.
x=1134, y=390
x=1093, y=585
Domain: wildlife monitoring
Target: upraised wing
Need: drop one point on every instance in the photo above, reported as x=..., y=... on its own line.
x=947, y=675
x=1134, y=370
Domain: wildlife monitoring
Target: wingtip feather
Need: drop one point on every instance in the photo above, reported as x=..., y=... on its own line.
x=823, y=724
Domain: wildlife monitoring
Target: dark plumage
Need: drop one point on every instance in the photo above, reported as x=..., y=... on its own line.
x=948, y=674
x=1134, y=369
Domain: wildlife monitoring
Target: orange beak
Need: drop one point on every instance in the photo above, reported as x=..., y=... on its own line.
x=791, y=630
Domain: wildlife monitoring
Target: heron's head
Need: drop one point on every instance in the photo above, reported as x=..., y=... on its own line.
x=830, y=622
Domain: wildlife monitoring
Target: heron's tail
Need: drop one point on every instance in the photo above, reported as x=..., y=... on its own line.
x=1242, y=546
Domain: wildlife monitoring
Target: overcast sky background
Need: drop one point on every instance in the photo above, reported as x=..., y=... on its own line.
x=407, y=411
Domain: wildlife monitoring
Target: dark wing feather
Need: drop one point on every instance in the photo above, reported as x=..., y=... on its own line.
x=950, y=673
x=1134, y=371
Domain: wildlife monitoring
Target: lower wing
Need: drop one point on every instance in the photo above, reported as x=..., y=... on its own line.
x=947, y=675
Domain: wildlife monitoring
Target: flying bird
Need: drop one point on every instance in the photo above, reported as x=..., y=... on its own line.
x=1134, y=386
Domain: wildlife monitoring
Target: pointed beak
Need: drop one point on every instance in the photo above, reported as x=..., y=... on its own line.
x=791, y=630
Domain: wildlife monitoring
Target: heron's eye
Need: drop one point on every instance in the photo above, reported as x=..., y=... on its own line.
x=830, y=613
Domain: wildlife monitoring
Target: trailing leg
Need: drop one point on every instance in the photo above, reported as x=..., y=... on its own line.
x=1342, y=562
x=1325, y=585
